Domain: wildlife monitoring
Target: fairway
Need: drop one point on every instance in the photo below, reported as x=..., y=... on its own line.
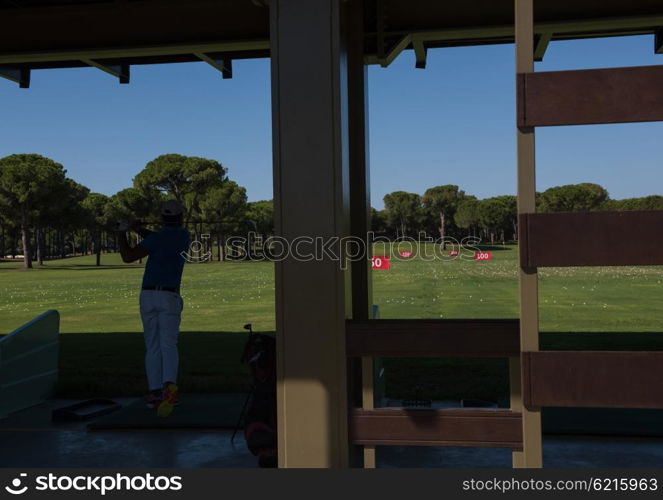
x=588, y=299
x=217, y=296
x=223, y=296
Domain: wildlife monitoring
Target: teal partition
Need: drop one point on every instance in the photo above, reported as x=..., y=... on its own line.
x=29, y=363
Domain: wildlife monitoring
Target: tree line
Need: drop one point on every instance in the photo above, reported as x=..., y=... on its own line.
x=448, y=211
x=44, y=214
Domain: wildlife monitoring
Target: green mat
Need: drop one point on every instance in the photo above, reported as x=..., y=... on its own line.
x=195, y=411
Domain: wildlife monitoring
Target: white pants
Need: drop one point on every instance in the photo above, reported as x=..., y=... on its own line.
x=161, y=313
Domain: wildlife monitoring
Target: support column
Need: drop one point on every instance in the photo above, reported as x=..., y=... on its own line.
x=360, y=203
x=311, y=198
x=531, y=456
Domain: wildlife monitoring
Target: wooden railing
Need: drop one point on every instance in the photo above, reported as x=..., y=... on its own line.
x=495, y=338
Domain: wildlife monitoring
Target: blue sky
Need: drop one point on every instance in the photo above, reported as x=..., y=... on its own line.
x=451, y=123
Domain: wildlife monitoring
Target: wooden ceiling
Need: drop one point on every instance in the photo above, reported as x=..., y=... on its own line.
x=41, y=34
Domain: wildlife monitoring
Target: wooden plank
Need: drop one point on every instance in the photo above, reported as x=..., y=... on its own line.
x=598, y=379
x=581, y=97
x=610, y=238
x=433, y=338
x=449, y=427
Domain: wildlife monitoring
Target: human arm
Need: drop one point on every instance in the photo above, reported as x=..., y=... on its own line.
x=130, y=253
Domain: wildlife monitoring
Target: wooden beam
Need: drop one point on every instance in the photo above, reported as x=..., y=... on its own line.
x=580, y=28
x=120, y=71
x=486, y=428
x=223, y=64
x=541, y=42
x=227, y=72
x=602, y=238
x=594, y=96
x=593, y=379
x=420, y=53
x=134, y=51
x=125, y=73
x=504, y=33
x=532, y=454
x=11, y=74
x=396, y=50
x=363, y=387
x=433, y=338
x=16, y=75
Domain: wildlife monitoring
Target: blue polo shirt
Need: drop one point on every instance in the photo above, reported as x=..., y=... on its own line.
x=165, y=262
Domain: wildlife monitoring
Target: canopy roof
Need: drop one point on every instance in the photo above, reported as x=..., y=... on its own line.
x=113, y=34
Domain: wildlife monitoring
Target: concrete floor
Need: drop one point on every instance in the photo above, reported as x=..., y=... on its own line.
x=558, y=452
x=30, y=440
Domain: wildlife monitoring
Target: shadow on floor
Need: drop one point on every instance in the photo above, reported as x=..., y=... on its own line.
x=30, y=440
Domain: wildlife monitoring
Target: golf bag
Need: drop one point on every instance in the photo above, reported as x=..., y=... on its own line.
x=260, y=413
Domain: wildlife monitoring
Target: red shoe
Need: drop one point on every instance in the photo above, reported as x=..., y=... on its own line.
x=169, y=401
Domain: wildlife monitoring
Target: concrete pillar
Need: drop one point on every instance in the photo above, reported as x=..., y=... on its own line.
x=311, y=196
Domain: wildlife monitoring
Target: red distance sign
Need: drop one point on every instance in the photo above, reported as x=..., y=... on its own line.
x=380, y=262
x=483, y=255
x=406, y=253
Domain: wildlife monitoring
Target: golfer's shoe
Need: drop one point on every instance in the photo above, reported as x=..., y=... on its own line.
x=153, y=400
x=169, y=401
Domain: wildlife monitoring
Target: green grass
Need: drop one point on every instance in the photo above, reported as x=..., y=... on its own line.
x=102, y=303
x=218, y=296
x=590, y=299
x=222, y=296
x=489, y=378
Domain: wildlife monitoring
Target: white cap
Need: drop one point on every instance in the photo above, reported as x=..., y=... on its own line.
x=171, y=208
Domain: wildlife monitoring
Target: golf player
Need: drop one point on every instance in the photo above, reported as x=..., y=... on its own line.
x=160, y=301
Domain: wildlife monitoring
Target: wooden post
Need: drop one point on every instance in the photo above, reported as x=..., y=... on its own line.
x=531, y=456
x=360, y=205
x=311, y=198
